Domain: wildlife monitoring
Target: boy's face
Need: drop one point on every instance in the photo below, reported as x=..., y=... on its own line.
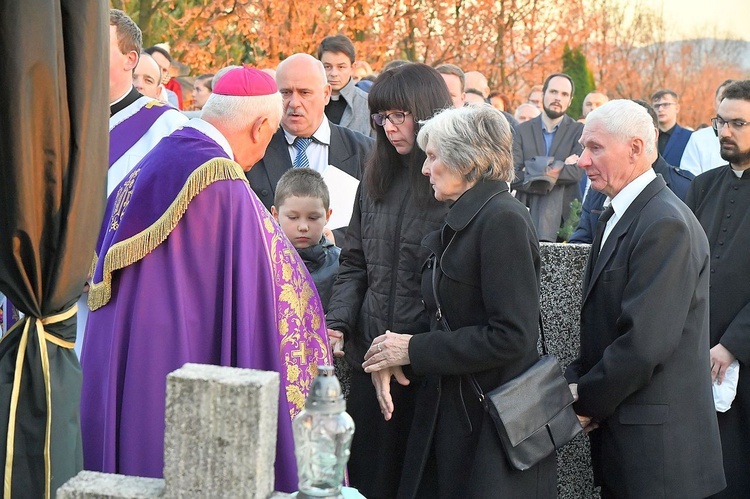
x=302, y=219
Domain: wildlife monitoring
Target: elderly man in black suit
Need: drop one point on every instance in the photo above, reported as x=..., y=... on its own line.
x=306, y=138
x=642, y=378
x=545, y=150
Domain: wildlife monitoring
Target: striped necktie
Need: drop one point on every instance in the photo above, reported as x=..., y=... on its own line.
x=301, y=160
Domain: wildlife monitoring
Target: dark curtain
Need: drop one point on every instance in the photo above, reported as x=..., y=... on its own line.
x=53, y=165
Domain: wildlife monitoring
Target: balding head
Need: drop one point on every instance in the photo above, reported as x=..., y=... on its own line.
x=476, y=80
x=302, y=82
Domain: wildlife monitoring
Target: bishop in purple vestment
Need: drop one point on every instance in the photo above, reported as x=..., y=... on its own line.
x=192, y=268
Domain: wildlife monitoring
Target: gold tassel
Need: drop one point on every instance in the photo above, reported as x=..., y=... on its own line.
x=136, y=247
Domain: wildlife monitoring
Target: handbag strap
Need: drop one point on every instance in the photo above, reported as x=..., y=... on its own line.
x=441, y=318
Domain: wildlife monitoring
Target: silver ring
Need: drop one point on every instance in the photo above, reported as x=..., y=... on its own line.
x=380, y=347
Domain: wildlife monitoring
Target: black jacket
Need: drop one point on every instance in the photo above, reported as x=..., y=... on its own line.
x=322, y=261
x=488, y=282
x=379, y=275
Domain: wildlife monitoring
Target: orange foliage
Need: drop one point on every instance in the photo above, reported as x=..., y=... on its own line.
x=515, y=43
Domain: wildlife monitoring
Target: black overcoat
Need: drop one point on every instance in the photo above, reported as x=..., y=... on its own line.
x=488, y=284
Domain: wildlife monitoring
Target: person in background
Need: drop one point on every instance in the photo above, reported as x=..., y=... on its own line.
x=171, y=86
x=703, y=151
x=526, y=112
x=536, y=94
x=202, y=88
x=486, y=266
x=147, y=77
x=301, y=206
x=720, y=199
x=672, y=137
x=594, y=99
x=347, y=105
x=499, y=101
x=378, y=283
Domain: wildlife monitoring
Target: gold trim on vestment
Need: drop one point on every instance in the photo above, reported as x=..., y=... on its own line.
x=134, y=248
x=42, y=335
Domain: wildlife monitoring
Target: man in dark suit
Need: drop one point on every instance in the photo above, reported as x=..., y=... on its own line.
x=307, y=139
x=720, y=199
x=672, y=137
x=642, y=378
x=545, y=151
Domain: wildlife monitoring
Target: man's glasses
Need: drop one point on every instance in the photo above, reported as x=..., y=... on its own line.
x=718, y=123
x=663, y=105
x=396, y=117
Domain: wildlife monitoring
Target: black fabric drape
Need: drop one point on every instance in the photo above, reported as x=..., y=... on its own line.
x=53, y=164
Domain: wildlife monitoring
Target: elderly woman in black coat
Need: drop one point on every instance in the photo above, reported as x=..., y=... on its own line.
x=487, y=266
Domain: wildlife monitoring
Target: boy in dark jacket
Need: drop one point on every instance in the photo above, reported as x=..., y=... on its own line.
x=301, y=206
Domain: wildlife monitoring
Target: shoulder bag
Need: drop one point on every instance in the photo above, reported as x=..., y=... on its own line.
x=533, y=413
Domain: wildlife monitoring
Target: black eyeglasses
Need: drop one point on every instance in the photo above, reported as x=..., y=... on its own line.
x=396, y=117
x=718, y=123
x=663, y=105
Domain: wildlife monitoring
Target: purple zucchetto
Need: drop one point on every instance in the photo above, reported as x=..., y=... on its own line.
x=245, y=82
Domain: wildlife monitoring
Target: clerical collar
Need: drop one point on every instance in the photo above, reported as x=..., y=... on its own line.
x=213, y=133
x=737, y=173
x=322, y=135
x=122, y=97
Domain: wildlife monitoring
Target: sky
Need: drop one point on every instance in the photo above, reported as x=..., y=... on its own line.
x=706, y=18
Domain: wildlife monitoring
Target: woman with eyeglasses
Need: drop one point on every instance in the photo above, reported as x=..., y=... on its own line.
x=378, y=285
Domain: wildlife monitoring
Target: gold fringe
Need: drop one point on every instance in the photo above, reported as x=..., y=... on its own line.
x=134, y=248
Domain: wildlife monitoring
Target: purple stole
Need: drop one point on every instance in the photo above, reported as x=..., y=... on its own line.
x=133, y=128
x=161, y=187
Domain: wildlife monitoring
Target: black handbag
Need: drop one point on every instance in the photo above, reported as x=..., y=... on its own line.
x=533, y=413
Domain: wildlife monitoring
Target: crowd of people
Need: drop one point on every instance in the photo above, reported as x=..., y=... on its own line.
x=317, y=211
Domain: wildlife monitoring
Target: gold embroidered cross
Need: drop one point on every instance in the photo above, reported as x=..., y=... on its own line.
x=301, y=354
x=153, y=103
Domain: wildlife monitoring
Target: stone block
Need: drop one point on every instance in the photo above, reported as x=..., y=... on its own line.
x=94, y=485
x=563, y=266
x=220, y=438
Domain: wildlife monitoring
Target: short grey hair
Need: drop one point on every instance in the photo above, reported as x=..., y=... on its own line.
x=475, y=142
x=236, y=113
x=625, y=120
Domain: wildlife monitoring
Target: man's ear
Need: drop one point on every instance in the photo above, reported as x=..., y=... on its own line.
x=274, y=212
x=328, y=214
x=259, y=128
x=636, y=147
x=132, y=60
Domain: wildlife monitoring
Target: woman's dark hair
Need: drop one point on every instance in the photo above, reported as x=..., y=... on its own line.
x=420, y=90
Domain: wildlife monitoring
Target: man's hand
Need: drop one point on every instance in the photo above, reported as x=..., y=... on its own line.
x=382, y=382
x=336, y=342
x=329, y=234
x=572, y=160
x=720, y=360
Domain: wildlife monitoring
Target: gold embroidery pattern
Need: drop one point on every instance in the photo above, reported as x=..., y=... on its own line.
x=122, y=199
x=303, y=344
x=154, y=103
x=133, y=249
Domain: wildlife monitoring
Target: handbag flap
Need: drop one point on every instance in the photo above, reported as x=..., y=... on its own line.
x=528, y=401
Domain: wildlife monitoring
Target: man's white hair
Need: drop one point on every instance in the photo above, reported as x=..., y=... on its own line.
x=236, y=113
x=625, y=120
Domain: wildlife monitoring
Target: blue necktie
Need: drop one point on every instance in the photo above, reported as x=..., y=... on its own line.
x=301, y=160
